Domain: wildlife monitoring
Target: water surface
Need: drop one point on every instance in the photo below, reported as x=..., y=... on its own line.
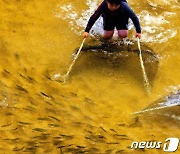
x=93, y=112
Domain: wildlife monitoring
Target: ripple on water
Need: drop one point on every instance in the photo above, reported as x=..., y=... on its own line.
x=39, y=115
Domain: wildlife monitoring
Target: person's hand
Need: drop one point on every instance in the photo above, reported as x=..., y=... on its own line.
x=138, y=35
x=85, y=34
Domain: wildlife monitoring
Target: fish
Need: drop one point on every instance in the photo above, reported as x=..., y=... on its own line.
x=24, y=123
x=39, y=129
x=21, y=88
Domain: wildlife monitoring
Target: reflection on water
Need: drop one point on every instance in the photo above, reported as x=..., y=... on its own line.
x=93, y=112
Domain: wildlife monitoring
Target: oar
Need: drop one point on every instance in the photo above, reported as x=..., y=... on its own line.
x=146, y=82
x=65, y=76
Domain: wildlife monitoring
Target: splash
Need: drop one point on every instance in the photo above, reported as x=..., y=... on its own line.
x=172, y=100
x=78, y=22
x=159, y=3
x=153, y=27
x=172, y=88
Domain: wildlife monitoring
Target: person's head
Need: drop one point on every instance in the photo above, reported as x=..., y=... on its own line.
x=113, y=4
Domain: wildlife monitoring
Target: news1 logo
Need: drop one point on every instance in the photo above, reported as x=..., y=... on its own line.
x=170, y=145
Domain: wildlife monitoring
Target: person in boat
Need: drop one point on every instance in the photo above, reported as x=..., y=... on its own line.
x=116, y=14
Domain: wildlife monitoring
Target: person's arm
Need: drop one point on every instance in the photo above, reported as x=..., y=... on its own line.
x=133, y=17
x=95, y=16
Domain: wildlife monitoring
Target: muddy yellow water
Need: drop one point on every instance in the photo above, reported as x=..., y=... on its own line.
x=93, y=112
